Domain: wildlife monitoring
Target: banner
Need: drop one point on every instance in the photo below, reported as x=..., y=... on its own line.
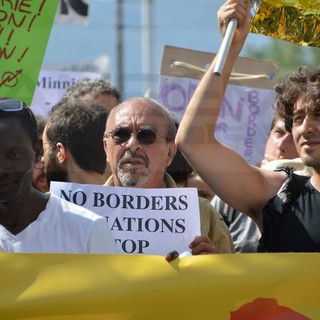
x=24, y=31
x=51, y=86
x=246, y=112
x=296, y=21
x=143, y=221
x=123, y=287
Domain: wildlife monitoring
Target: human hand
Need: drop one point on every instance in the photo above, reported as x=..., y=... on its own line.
x=239, y=10
x=202, y=245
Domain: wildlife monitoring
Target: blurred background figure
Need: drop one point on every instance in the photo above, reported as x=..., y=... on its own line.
x=179, y=169
x=204, y=191
x=279, y=144
x=102, y=91
x=39, y=179
x=184, y=176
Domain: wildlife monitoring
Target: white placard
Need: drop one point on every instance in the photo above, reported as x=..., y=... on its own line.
x=143, y=221
x=244, y=120
x=52, y=85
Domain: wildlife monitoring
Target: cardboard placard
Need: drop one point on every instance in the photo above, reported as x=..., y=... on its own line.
x=247, y=110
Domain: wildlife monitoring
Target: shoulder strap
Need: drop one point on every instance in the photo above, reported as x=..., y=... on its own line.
x=292, y=185
x=277, y=206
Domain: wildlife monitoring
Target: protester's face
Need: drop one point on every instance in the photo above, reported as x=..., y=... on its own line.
x=135, y=164
x=306, y=133
x=53, y=169
x=280, y=144
x=204, y=190
x=39, y=179
x=16, y=159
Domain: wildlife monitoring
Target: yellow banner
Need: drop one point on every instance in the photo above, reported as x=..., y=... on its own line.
x=297, y=21
x=222, y=287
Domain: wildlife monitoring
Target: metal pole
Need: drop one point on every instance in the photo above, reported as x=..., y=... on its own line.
x=225, y=47
x=119, y=46
x=146, y=45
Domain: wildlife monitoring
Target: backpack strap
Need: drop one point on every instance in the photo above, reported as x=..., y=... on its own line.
x=290, y=189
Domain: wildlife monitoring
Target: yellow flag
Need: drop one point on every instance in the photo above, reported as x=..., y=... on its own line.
x=123, y=287
x=297, y=21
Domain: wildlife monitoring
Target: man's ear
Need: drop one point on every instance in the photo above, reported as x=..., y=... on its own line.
x=61, y=153
x=105, y=147
x=172, y=149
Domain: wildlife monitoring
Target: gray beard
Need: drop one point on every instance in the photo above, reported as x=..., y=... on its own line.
x=133, y=177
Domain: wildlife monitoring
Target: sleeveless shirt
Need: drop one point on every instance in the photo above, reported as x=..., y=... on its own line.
x=291, y=220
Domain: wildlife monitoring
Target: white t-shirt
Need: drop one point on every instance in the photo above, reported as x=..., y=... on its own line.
x=62, y=227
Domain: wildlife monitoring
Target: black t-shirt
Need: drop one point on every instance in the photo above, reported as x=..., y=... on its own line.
x=292, y=223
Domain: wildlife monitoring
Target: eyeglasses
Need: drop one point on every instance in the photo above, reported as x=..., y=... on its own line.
x=12, y=105
x=145, y=136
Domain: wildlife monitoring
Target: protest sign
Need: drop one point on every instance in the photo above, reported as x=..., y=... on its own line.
x=25, y=27
x=143, y=221
x=122, y=287
x=51, y=86
x=246, y=113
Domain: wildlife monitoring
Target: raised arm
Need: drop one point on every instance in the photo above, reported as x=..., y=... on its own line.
x=242, y=186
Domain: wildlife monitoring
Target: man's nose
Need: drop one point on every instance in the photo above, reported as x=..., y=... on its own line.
x=133, y=143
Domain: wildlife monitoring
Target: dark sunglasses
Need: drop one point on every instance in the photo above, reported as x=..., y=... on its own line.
x=11, y=105
x=145, y=136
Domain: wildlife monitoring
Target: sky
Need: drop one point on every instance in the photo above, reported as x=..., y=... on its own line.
x=188, y=24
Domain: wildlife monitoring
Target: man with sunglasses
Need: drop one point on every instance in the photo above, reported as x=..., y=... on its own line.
x=32, y=221
x=139, y=144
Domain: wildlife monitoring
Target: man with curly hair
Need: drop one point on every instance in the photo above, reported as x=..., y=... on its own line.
x=100, y=90
x=284, y=205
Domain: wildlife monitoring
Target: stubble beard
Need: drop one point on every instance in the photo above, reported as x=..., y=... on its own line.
x=54, y=171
